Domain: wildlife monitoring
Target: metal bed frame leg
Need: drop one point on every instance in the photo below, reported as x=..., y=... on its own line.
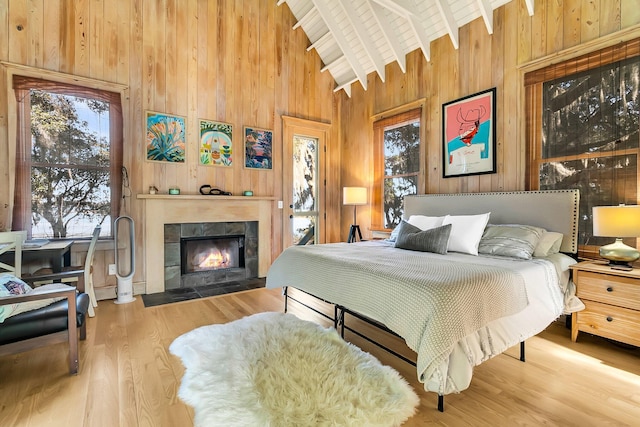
x=441, y=397
x=286, y=299
x=339, y=316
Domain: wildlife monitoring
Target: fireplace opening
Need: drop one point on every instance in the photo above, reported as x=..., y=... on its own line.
x=211, y=253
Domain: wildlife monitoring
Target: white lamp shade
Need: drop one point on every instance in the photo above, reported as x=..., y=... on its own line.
x=354, y=196
x=616, y=221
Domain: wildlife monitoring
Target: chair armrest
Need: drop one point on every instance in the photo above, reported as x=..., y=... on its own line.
x=70, y=292
x=57, y=277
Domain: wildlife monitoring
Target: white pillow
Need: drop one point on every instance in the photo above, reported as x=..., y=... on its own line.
x=466, y=232
x=549, y=244
x=425, y=222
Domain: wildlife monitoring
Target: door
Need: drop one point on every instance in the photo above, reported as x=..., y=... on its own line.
x=303, y=181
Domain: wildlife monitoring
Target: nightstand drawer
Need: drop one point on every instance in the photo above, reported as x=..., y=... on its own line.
x=616, y=290
x=617, y=323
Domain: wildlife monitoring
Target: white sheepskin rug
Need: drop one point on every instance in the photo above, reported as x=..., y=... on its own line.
x=273, y=369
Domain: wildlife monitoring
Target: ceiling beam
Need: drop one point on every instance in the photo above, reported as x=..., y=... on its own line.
x=343, y=43
x=421, y=35
x=530, y=8
x=449, y=22
x=400, y=7
x=322, y=40
x=365, y=40
x=388, y=33
x=306, y=17
x=487, y=14
x=346, y=86
x=336, y=61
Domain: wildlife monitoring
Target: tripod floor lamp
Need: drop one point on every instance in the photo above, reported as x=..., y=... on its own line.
x=354, y=196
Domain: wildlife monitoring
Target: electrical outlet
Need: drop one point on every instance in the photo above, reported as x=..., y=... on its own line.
x=112, y=270
x=280, y=204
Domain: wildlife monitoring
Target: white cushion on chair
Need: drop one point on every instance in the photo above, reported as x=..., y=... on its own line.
x=12, y=285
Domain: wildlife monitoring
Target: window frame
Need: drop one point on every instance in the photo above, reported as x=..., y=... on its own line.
x=405, y=113
x=22, y=86
x=533, y=85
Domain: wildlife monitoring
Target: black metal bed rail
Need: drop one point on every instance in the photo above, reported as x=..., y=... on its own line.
x=338, y=320
x=287, y=297
x=342, y=310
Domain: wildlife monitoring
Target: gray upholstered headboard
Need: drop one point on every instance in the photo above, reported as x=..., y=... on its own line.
x=554, y=210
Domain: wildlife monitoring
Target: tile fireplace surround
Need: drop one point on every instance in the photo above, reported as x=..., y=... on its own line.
x=161, y=209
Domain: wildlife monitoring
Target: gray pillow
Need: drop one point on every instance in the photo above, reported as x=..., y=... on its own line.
x=432, y=240
x=510, y=240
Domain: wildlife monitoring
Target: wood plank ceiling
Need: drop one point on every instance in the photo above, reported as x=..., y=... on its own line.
x=357, y=37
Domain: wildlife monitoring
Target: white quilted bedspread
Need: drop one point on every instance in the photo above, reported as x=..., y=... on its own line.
x=431, y=300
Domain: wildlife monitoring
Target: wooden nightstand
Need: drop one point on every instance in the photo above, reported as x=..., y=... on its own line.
x=612, y=301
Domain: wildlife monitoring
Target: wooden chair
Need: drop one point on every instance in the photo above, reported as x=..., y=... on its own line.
x=12, y=241
x=56, y=322
x=88, y=270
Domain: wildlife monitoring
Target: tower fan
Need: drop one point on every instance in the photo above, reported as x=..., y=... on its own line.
x=125, y=266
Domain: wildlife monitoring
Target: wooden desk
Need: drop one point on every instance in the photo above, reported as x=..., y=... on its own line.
x=56, y=252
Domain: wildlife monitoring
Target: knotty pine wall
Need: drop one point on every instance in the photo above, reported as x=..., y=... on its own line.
x=237, y=61
x=557, y=28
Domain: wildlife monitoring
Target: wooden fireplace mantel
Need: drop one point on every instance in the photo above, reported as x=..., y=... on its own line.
x=201, y=197
x=161, y=209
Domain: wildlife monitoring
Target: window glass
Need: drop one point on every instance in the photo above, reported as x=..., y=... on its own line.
x=399, y=150
x=584, y=129
x=598, y=180
x=69, y=172
x=70, y=165
x=594, y=111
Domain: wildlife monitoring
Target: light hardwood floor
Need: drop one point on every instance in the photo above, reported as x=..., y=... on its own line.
x=128, y=378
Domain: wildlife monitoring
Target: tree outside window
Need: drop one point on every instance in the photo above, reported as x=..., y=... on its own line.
x=398, y=163
x=66, y=163
x=586, y=135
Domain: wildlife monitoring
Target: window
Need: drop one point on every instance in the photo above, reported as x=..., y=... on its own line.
x=397, y=163
x=585, y=131
x=69, y=159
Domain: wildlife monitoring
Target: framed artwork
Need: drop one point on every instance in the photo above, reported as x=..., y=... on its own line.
x=165, y=139
x=258, y=145
x=469, y=135
x=216, y=143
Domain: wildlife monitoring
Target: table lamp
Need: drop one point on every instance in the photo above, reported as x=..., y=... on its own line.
x=354, y=196
x=617, y=221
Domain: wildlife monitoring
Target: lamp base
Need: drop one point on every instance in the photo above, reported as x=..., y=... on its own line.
x=352, y=233
x=620, y=256
x=624, y=266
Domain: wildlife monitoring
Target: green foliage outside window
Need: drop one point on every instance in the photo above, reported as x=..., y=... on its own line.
x=590, y=138
x=401, y=168
x=70, y=165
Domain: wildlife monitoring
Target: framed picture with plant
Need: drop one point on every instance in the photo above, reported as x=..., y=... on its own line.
x=165, y=138
x=258, y=148
x=216, y=143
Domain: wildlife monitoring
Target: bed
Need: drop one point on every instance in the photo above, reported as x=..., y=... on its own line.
x=454, y=308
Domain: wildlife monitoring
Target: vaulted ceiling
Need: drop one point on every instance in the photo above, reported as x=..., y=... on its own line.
x=357, y=37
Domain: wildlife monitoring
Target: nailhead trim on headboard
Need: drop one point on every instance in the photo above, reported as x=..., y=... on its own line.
x=573, y=200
